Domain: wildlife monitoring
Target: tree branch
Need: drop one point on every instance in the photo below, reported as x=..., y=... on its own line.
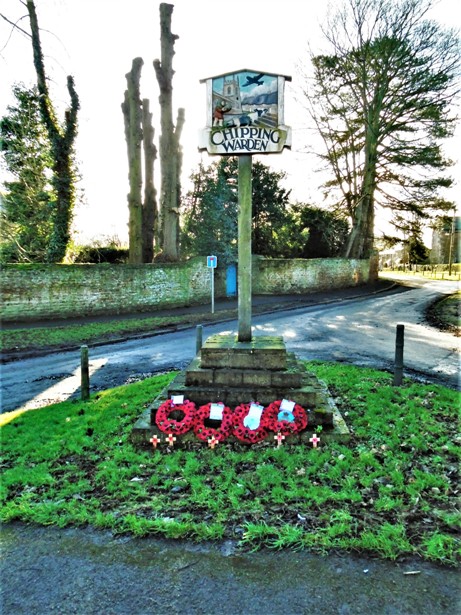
x=15, y=24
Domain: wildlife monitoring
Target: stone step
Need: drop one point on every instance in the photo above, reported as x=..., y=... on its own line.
x=225, y=351
x=322, y=414
x=292, y=377
x=310, y=396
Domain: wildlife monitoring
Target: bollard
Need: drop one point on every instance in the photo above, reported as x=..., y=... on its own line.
x=198, y=342
x=398, y=366
x=85, y=374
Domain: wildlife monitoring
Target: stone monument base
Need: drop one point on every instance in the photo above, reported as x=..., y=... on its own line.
x=233, y=372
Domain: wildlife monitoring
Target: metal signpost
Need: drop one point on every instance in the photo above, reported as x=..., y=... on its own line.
x=211, y=262
x=245, y=116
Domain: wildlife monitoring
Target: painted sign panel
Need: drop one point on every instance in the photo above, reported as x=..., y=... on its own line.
x=245, y=114
x=211, y=262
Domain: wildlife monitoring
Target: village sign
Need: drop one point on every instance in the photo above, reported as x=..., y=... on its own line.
x=245, y=114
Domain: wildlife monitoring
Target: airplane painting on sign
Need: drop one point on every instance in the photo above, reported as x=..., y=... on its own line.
x=245, y=113
x=245, y=99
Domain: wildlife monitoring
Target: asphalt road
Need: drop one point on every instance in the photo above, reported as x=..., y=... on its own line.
x=360, y=331
x=75, y=571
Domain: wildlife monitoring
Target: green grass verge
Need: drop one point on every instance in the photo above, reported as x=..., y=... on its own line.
x=391, y=491
x=12, y=340
x=435, y=274
x=446, y=312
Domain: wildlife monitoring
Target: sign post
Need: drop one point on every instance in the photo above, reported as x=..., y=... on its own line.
x=211, y=262
x=245, y=116
x=244, y=249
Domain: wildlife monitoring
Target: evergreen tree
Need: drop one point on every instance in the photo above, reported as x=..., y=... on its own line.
x=211, y=211
x=270, y=211
x=381, y=103
x=62, y=138
x=28, y=198
x=315, y=233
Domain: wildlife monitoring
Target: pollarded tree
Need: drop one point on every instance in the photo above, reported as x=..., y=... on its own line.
x=28, y=199
x=139, y=135
x=132, y=114
x=381, y=103
x=169, y=146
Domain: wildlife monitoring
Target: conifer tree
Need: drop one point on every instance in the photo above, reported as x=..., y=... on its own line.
x=382, y=102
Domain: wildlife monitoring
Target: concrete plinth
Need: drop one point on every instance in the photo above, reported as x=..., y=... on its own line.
x=261, y=353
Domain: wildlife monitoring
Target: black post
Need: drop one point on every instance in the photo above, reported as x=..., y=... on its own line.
x=199, y=339
x=398, y=367
x=85, y=373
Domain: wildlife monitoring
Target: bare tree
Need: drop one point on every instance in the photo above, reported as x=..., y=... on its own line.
x=170, y=151
x=132, y=113
x=150, y=223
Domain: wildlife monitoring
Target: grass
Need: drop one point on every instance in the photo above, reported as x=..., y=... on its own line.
x=446, y=312
x=21, y=339
x=391, y=491
x=436, y=272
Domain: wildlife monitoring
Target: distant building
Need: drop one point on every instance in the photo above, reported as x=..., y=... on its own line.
x=392, y=258
x=446, y=235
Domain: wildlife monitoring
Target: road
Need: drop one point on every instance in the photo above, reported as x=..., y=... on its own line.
x=86, y=572
x=361, y=332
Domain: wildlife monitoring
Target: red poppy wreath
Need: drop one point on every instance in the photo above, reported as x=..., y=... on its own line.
x=286, y=428
x=243, y=433
x=220, y=433
x=169, y=425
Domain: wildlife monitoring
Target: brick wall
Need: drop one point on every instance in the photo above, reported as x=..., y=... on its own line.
x=38, y=292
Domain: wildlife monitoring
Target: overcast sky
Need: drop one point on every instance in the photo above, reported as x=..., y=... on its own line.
x=96, y=41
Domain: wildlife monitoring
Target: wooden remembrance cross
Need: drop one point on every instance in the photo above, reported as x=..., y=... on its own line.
x=245, y=116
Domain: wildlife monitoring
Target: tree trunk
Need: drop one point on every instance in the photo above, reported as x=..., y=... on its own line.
x=358, y=244
x=150, y=222
x=170, y=155
x=62, y=146
x=361, y=239
x=131, y=108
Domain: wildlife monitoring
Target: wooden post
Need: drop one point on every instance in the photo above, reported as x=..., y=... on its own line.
x=199, y=339
x=85, y=373
x=398, y=366
x=244, y=248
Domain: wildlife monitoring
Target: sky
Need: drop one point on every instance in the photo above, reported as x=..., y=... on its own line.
x=96, y=41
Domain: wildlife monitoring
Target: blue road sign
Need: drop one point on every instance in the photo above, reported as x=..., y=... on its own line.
x=211, y=261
